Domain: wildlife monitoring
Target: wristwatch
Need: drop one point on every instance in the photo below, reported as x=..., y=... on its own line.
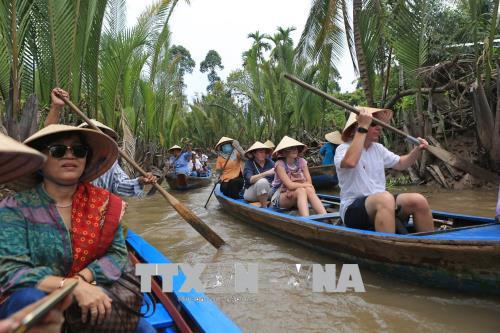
x=362, y=130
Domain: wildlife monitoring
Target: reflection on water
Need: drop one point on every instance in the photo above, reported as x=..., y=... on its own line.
x=282, y=305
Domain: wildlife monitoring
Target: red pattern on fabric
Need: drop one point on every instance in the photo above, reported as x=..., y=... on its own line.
x=94, y=222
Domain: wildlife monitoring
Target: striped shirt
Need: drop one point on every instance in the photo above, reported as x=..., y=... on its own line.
x=116, y=181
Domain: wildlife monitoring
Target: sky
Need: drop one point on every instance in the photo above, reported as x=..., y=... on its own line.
x=223, y=25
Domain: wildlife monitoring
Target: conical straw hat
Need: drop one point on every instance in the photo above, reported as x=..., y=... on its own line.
x=334, y=137
x=222, y=140
x=17, y=160
x=385, y=115
x=104, y=149
x=270, y=144
x=107, y=130
x=288, y=142
x=175, y=147
x=255, y=146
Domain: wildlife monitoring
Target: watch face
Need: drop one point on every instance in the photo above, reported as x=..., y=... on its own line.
x=362, y=130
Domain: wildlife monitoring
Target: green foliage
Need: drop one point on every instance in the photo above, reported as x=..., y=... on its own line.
x=210, y=64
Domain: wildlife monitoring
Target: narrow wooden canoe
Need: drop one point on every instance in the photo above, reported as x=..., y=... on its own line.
x=323, y=176
x=182, y=312
x=182, y=182
x=466, y=258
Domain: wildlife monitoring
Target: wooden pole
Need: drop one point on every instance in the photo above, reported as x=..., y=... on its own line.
x=440, y=153
x=183, y=211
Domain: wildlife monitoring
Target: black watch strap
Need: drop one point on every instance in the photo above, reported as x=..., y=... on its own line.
x=362, y=130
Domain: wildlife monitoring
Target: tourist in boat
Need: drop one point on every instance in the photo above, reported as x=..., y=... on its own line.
x=258, y=174
x=269, y=144
x=25, y=160
x=360, y=163
x=328, y=149
x=114, y=180
x=333, y=139
x=180, y=161
x=229, y=173
x=64, y=228
x=197, y=167
x=292, y=186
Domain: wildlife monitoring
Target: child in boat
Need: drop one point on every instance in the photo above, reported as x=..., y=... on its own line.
x=258, y=174
x=292, y=186
x=230, y=173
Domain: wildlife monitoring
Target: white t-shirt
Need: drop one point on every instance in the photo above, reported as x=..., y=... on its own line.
x=368, y=177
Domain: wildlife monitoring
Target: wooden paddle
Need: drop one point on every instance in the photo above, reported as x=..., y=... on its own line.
x=440, y=153
x=187, y=214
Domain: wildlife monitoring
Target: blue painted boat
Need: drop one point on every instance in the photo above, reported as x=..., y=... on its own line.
x=182, y=182
x=178, y=311
x=465, y=256
x=323, y=176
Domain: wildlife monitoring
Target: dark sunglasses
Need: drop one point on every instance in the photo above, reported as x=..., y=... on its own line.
x=58, y=151
x=373, y=124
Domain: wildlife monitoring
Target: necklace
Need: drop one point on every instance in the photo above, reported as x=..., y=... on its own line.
x=64, y=206
x=58, y=206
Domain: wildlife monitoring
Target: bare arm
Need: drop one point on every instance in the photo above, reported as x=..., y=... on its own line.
x=280, y=170
x=353, y=153
x=55, y=106
x=407, y=160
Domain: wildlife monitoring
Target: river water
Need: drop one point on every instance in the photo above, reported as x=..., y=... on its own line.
x=284, y=301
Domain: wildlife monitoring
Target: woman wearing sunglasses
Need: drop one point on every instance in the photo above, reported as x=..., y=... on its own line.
x=292, y=185
x=64, y=228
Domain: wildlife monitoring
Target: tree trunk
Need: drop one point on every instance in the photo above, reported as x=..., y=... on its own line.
x=495, y=140
x=483, y=116
x=360, y=55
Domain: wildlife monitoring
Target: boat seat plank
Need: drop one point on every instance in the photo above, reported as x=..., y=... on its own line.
x=160, y=318
x=485, y=232
x=324, y=216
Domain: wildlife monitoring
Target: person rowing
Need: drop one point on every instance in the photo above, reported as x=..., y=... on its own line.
x=179, y=162
x=228, y=166
x=360, y=163
x=114, y=180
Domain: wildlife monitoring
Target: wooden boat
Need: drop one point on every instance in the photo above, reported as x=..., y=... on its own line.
x=182, y=312
x=466, y=257
x=181, y=182
x=323, y=176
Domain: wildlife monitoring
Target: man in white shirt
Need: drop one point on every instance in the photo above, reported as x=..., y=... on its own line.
x=360, y=164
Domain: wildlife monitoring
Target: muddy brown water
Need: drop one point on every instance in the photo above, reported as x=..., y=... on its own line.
x=284, y=301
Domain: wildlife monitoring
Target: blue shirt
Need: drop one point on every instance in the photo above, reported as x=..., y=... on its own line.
x=328, y=153
x=181, y=163
x=116, y=181
x=253, y=168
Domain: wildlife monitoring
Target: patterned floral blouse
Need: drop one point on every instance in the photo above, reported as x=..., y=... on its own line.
x=35, y=243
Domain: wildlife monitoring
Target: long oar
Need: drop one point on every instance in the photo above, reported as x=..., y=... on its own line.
x=188, y=215
x=440, y=153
